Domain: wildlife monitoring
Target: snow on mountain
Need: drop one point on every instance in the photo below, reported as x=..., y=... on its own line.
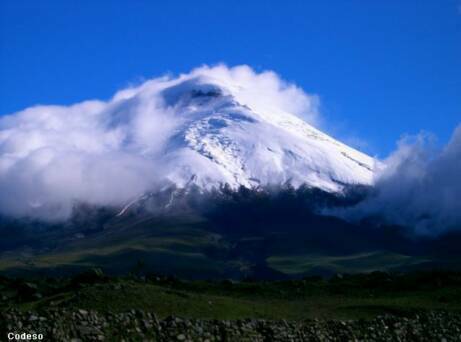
x=235, y=144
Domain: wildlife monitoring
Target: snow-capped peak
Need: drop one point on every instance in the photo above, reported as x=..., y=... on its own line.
x=212, y=126
x=221, y=140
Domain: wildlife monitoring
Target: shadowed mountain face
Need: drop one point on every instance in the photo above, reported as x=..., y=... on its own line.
x=264, y=234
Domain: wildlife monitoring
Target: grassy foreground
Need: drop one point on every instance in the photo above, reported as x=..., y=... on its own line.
x=422, y=306
x=341, y=297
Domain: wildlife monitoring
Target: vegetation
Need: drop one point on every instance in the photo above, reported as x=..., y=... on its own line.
x=341, y=297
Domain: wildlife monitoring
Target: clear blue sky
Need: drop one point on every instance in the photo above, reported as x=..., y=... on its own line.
x=381, y=68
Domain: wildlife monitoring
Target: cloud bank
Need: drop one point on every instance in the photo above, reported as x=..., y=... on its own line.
x=419, y=187
x=108, y=152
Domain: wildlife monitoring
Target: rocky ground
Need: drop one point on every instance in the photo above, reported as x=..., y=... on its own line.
x=82, y=325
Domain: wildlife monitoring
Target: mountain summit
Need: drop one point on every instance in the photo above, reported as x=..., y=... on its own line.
x=219, y=140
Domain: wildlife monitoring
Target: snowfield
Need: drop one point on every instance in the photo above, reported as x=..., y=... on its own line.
x=222, y=141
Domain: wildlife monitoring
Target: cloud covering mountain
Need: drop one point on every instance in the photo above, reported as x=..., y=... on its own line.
x=107, y=152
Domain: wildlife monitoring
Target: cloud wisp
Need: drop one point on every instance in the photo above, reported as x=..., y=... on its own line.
x=420, y=186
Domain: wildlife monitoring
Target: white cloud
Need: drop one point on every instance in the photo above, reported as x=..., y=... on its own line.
x=420, y=186
x=105, y=153
x=264, y=90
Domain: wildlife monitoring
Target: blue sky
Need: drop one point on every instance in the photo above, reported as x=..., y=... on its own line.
x=381, y=68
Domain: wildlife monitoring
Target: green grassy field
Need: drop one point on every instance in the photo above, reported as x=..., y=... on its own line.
x=168, y=249
x=348, y=297
x=363, y=262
